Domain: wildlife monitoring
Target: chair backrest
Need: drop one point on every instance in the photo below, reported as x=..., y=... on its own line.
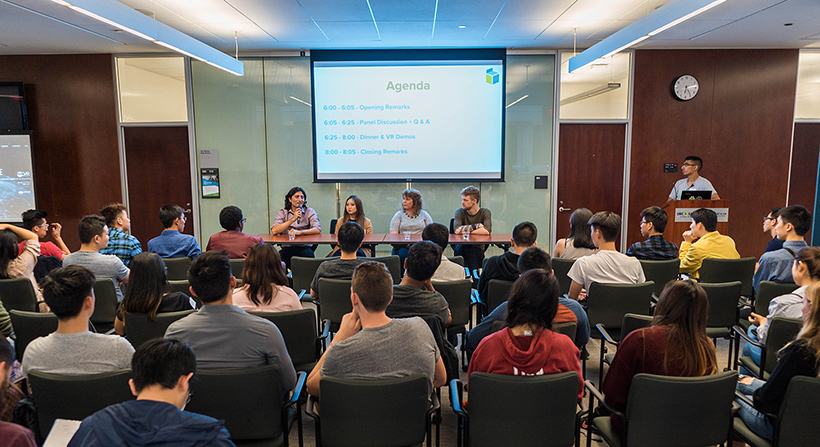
x=333, y=226
x=536, y=410
x=608, y=303
x=693, y=411
x=716, y=270
x=28, y=326
x=457, y=259
x=179, y=285
x=236, y=267
x=497, y=292
x=249, y=400
x=18, y=294
x=177, y=268
x=139, y=328
x=105, y=304
x=782, y=330
x=452, y=225
x=457, y=294
x=561, y=267
x=723, y=298
x=393, y=266
x=304, y=269
x=394, y=411
x=661, y=272
x=634, y=322
x=799, y=413
x=335, y=300
x=769, y=290
x=298, y=328
x=74, y=396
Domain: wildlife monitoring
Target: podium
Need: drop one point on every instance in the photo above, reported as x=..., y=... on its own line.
x=679, y=220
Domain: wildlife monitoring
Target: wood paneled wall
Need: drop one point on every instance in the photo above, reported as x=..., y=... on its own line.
x=72, y=113
x=804, y=166
x=740, y=123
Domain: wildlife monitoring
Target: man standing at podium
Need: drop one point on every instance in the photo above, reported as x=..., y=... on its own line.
x=693, y=181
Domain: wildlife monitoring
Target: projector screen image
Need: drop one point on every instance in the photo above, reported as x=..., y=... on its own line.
x=424, y=118
x=16, y=177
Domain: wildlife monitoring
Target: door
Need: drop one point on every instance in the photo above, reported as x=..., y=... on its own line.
x=590, y=170
x=159, y=173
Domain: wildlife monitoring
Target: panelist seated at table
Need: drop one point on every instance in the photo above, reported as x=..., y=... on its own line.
x=472, y=219
x=411, y=219
x=354, y=212
x=691, y=167
x=296, y=219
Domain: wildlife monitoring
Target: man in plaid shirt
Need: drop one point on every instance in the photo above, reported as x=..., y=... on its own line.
x=120, y=243
x=655, y=247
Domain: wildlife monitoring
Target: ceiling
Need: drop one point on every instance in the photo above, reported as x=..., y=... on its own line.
x=270, y=26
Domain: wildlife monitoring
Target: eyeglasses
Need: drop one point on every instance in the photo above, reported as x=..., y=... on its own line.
x=243, y=220
x=768, y=218
x=643, y=222
x=689, y=164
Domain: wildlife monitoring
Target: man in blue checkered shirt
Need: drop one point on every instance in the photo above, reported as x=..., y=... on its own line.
x=120, y=243
x=655, y=247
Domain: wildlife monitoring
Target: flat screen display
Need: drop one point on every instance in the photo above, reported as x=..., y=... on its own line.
x=408, y=115
x=16, y=177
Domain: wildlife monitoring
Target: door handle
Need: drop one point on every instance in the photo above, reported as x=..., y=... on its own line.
x=562, y=209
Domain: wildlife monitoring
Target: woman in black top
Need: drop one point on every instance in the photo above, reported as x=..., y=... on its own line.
x=798, y=358
x=147, y=291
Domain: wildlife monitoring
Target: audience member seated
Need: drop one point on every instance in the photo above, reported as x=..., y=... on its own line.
x=411, y=219
x=798, y=358
x=147, y=292
x=578, y=243
x=805, y=271
x=73, y=349
x=370, y=345
x=223, y=335
x=655, y=247
x=675, y=344
x=768, y=227
x=793, y=222
x=354, y=212
x=12, y=435
x=447, y=270
x=351, y=235
x=527, y=346
x=162, y=370
x=35, y=221
x=265, y=283
x=505, y=266
x=17, y=265
x=236, y=243
x=607, y=266
x=120, y=243
x=415, y=296
x=296, y=219
x=171, y=243
x=470, y=217
x=702, y=241
x=568, y=310
x=94, y=237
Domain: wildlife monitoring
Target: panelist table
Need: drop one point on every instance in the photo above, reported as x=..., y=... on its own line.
x=321, y=239
x=501, y=240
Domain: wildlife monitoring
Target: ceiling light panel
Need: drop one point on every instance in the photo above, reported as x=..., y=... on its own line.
x=448, y=30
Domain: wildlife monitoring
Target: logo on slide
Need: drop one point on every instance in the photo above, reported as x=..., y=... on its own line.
x=492, y=77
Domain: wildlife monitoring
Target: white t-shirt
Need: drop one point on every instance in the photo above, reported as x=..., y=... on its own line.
x=701, y=184
x=606, y=267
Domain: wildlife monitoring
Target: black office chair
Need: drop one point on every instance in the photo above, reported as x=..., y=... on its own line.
x=630, y=323
x=393, y=266
x=333, y=226
x=237, y=265
x=458, y=295
x=335, y=296
x=497, y=292
x=781, y=331
x=561, y=267
x=177, y=268
x=105, y=305
x=252, y=402
x=796, y=422
x=661, y=272
x=28, y=326
x=139, y=329
x=298, y=328
x=180, y=285
x=536, y=410
x=18, y=294
x=715, y=270
x=723, y=312
x=766, y=292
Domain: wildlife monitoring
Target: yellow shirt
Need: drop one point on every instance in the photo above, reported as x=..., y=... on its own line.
x=711, y=245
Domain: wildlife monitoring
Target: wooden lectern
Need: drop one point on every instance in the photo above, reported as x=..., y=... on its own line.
x=679, y=220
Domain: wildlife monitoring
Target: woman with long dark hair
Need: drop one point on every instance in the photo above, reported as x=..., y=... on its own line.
x=147, y=291
x=527, y=346
x=264, y=283
x=410, y=219
x=579, y=241
x=354, y=211
x=296, y=219
x=675, y=344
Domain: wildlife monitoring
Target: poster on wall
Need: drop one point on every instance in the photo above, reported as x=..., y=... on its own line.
x=209, y=173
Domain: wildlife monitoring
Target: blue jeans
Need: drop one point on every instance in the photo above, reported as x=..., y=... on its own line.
x=756, y=421
x=401, y=251
x=289, y=251
x=750, y=350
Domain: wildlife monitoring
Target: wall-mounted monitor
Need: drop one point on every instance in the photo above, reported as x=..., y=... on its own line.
x=13, y=117
x=408, y=115
x=16, y=177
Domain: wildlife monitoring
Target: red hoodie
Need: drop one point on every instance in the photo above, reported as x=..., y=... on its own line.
x=545, y=352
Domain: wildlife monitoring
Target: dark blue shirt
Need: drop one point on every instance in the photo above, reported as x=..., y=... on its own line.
x=656, y=248
x=774, y=244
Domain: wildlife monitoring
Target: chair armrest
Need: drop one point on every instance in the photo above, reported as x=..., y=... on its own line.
x=299, y=389
x=475, y=300
x=605, y=334
x=325, y=337
x=597, y=395
x=302, y=294
x=290, y=274
x=435, y=403
x=476, y=273
x=744, y=398
x=311, y=401
x=742, y=333
x=466, y=273
x=456, y=395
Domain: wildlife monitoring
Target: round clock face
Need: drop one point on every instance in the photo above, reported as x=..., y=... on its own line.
x=686, y=87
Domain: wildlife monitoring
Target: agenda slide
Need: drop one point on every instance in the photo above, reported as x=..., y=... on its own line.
x=408, y=120
x=16, y=177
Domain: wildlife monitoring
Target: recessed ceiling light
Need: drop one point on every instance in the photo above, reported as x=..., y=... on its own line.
x=788, y=24
x=462, y=26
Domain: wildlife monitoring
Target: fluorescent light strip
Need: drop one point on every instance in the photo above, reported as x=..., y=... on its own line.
x=663, y=18
x=61, y=21
x=517, y=101
x=299, y=100
x=114, y=13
